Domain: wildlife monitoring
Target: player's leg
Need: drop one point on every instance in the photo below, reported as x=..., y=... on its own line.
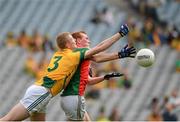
x=38, y=117
x=69, y=104
x=87, y=117
x=17, y=113
x=74, y=107
x=36, y=100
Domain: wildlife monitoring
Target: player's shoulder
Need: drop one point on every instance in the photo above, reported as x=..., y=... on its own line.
x=80, y=49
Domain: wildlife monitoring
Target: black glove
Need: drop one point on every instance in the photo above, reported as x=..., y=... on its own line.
x=127, y=52
x=123, y=31
x=111, y=75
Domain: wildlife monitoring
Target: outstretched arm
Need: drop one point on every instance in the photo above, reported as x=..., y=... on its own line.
x=95, y=80
x=103, y=57
x=123, y=53
x=107, y=42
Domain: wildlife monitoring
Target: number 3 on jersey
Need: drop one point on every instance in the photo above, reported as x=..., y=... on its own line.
x=57, y=59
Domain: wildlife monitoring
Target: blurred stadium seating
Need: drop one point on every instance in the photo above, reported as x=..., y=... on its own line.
x=54, y=16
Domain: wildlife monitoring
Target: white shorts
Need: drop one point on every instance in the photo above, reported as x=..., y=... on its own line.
x=73, y=106
x=36, y=99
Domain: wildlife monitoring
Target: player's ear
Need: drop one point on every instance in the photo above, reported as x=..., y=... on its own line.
x=78, y=41
x=68, y=44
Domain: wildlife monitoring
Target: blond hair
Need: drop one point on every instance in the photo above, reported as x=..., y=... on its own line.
x=62, y=39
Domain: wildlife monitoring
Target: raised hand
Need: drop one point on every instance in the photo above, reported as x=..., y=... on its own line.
x=124, y=30
x=127, y=52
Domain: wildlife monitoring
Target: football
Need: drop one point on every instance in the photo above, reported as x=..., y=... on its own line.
x=145, y=57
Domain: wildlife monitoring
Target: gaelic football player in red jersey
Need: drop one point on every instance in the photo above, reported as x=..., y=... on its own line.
x=72, y=101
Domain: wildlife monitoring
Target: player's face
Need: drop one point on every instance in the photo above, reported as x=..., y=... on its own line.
x=84, y=41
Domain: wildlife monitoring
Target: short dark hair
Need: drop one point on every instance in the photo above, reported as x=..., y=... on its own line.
x=77, y=34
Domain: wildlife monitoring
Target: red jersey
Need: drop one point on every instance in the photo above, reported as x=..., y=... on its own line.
x=78, y=82
x=84, y=74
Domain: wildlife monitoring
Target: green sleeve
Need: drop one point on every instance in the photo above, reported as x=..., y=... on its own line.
x=82, y=52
